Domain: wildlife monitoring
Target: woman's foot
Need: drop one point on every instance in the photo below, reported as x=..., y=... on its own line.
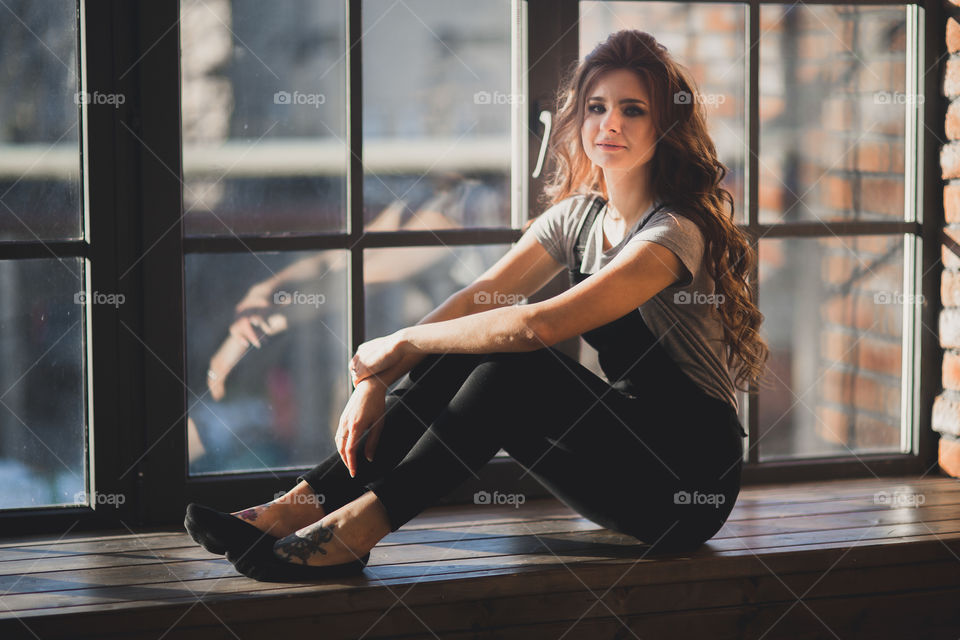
x=345, y=535
x=293, y=510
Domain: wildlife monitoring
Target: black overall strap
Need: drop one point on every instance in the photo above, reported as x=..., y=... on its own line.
x=584, y=229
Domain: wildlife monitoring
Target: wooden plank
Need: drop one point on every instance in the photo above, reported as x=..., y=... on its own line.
x=540, y=605
x=180, y=547
x=173, y=539
x=812, y=527
x=163, y=566
x=160, y=567
x=651, y=571
x=540, y=508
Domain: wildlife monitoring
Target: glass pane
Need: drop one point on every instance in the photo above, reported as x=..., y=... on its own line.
x=833, y=312
x=43, y=451
x=832, y=112
x=437, y=111
x=403, y=284
x=278, y=405
x=708, y=39
x=40, y=122
x=263, y=115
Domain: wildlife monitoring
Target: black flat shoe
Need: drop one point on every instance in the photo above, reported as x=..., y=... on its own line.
x=219, y=532
x=259, y=563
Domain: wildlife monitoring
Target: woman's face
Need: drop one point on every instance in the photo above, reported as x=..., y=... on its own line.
x=618, y=114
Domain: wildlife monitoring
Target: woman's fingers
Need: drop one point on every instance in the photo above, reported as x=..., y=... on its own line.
x=372, y=440
x=353, y=435
x=244, y=330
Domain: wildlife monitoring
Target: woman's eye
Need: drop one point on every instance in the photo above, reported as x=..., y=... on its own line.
x=630, y=111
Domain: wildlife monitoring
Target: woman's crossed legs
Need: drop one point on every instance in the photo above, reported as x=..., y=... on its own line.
x=618, y=461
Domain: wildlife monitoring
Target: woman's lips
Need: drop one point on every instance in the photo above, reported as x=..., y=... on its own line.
x=609, y=147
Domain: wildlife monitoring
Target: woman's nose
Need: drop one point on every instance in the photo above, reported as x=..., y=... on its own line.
x=611, y=121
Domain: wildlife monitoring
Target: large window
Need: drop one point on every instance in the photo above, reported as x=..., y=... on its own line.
x=42, y=266
x=177, y=175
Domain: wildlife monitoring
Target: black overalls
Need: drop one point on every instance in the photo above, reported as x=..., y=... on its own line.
x=651, y=455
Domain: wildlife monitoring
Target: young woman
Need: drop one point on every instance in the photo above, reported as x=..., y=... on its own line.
x=659, y=288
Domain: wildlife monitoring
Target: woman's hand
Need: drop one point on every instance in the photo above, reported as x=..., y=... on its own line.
x=257, y=312
x=364, y=411
x=375, y=356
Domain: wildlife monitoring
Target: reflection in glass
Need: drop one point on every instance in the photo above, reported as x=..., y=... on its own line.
x=404, y=284
x=278, y=405
x=715, y=56
x=833, y=112
x=42, y=434
x=437, y=110
x=263, y=115
x=833, y=312
x=39, y=121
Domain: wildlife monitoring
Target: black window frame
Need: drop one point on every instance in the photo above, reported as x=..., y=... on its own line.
x=133, y=171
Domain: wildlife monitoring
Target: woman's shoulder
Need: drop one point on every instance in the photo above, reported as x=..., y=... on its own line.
x=571, y=205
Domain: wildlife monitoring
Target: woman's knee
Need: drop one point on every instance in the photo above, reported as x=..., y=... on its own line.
x=443, y=366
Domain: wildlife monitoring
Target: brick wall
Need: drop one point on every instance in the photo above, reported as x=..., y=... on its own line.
x=946, y=407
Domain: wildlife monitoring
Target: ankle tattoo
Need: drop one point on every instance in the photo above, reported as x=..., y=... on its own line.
x=303, y=548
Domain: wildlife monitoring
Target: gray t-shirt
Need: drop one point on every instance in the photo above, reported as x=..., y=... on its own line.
x=682, y=315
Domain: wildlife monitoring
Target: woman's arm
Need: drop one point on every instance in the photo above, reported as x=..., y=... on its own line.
x=634, y=276
x=457, y=305
x=520, y=273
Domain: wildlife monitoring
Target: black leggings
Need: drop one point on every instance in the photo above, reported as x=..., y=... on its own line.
x=663, y=467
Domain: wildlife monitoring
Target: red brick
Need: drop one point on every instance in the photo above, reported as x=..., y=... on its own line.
x=951, y=203
x=836, y=386
x=949, y=259
x=771, y=195
x=950, y=161
x=833, y=425
x=950, y=328
x=950, y=370
x=873, y=156
x=950, y=254
x=870, y=433
x=946, y=414
x=837, y=193
x=882, y=195
x=950, y=288
x=896, y=157
x=953, y=35
x=952, y=122
x=879, y=356
x=951, y=78
x=949, y=456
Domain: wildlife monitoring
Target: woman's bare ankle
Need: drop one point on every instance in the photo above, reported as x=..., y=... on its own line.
x=302, y=504
x=293, y=510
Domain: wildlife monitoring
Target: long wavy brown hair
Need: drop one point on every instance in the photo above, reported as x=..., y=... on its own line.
x=684, y=173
